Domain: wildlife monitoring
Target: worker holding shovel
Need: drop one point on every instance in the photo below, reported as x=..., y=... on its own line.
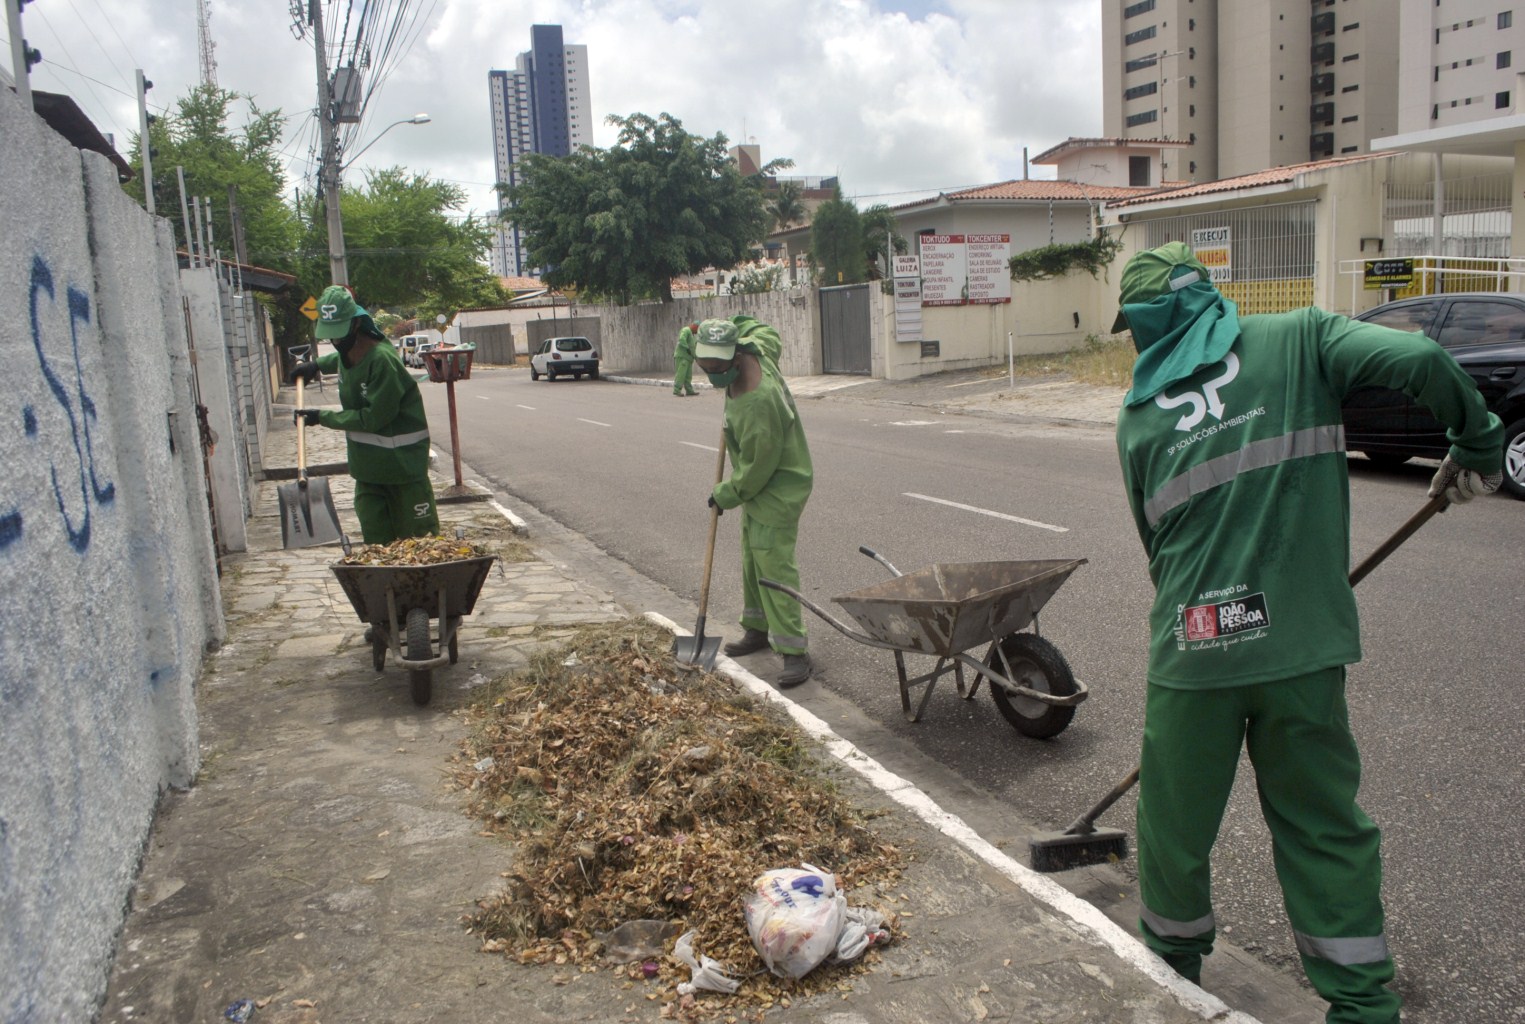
x=683, y=362
x=771, y=477
x=382, y=416
x=1233, y=455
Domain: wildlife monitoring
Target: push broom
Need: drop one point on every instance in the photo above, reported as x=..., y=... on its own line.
x=1083, y=843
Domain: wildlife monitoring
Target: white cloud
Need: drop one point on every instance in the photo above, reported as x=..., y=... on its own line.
x=893, y=97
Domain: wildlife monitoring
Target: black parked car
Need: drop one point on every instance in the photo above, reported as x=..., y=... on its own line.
x=1485, y=332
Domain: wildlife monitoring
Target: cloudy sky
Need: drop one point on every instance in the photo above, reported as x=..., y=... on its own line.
x=899, y=98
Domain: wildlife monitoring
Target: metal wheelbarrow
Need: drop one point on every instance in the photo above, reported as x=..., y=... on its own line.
x=399, y=602
x=944, y=610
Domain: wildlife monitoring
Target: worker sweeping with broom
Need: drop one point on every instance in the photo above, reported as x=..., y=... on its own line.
x=1233, y=456
x=771, y=478
x=382, y=416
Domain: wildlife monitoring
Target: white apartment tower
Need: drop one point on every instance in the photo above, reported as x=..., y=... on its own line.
x=1464, y=61
x=1250, y=84
x=543, y=106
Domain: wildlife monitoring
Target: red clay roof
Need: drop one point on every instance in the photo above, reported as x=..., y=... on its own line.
x=1256, y=179
x=1033, y=190
x=521, y=284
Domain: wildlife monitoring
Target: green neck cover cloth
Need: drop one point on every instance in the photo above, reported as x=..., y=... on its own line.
x=1176, y=335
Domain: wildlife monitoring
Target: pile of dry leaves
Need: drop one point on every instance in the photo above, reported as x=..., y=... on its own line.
x=415, y=551
x=636, y=789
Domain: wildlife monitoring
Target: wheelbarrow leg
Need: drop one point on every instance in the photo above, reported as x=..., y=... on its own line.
x=906, y=682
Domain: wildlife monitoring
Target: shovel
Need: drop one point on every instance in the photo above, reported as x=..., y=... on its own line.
x=308, y=518
x=1083, y=843
x=697, y=649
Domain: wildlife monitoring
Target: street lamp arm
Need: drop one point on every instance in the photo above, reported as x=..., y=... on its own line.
x=415, y=119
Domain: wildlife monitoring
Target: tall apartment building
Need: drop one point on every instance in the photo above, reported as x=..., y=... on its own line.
x=1250, y=84
x=543, y=106
x=1464, y=61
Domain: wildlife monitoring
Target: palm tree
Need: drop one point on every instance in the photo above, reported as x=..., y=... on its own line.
x=879, y=233
x=787, y=206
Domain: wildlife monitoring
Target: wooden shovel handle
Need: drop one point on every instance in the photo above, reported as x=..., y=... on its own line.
x=301, y=437
x=1404, y=532
x=709, y=549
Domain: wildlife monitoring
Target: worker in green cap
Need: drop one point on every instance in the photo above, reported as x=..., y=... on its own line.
x=382, y=415
x=683, y=362
x=771, y=477
x=1233, y=456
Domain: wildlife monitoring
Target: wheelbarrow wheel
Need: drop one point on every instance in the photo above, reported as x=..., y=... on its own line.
x=420, y=681
x=1038, y=665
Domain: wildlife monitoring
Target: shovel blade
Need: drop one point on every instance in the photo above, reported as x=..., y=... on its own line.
x=308, y=518
x=696, y=650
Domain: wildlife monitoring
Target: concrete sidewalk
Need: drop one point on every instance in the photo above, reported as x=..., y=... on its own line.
x=322, y=866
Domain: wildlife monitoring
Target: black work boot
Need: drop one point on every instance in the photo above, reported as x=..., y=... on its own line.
x=797, y=669
x=752, y=640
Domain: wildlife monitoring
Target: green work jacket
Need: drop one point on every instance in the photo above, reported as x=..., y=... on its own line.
x=382, y=416
x=1237, y=481
x=771, y=473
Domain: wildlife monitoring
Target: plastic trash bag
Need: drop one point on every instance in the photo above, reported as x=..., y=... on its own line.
x=862, y=927
x=708, y=975
x=794, y=916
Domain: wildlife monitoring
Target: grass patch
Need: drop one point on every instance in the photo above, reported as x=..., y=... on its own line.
x=1103, y=362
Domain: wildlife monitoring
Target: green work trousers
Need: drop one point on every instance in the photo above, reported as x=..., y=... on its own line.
x=683, y=375
x=767, y=552
x=1326, y=850
x=388, y=512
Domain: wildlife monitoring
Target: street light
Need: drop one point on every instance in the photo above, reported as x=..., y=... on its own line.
x=415, y=119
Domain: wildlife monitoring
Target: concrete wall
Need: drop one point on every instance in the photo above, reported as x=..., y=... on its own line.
x=108, y=588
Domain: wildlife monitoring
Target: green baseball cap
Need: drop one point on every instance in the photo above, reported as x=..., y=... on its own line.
x=336, y=308
x=716, y=339
x=1156, y=272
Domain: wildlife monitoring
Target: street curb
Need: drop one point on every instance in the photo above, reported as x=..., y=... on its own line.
x=1086, y=917
x=655, y=382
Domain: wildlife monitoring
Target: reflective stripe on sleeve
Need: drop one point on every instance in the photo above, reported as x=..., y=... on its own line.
x=1166, y=928
x=382, y=441
x=1299, y=444
x=1359, y=949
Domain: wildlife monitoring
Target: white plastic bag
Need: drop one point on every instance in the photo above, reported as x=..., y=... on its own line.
x=794, y=916
x=708, y=975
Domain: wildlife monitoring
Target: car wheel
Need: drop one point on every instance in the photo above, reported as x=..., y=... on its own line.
x=577, y=376
x=1385, y=460
x=550, y=374
x=1514, y=459
x=593, y=373
x=534, y=373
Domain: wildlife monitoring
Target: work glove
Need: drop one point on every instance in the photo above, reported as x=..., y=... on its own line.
x=718, y=510
x=1461, y=485
x=306, y=371
x=307, y=416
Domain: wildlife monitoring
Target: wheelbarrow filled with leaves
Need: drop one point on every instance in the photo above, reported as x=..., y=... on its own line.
x=946, y=610
x=413, y=595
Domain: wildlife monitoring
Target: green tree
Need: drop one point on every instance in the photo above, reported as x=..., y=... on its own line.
x=405, y=248
x=881, y=240
x=836, y=242
x=621, y=223
x=213, y=158
x=787, y=205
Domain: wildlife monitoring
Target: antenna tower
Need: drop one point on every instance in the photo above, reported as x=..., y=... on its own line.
x=204, y=38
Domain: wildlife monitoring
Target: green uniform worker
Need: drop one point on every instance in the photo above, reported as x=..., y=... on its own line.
x=382, y=416
x=683, y=362
x=1233, y=454
x=770, y=479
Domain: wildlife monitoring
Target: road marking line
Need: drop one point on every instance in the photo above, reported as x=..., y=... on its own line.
x=988, y=512
x=594, y=422
x=531, y=408
x=915, y=423
x=708, y=448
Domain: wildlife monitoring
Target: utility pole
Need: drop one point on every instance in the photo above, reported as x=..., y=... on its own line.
x=338, y=268
x=22, y=55
x=144, y=143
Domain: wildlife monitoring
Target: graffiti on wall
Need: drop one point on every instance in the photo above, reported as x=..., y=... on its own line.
x=68, y=391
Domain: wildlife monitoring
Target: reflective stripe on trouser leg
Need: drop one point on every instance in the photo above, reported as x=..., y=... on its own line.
x=1186, y=770
x=1327, y=851
x=767, y=552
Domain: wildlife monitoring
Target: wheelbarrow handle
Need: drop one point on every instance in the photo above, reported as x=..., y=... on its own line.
x=832, y=620
x=876, y=556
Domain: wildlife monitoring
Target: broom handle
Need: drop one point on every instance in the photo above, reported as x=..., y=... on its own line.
x=709, y=550
x=1085, y=823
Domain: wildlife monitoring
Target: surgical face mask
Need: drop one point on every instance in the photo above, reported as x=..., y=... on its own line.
x=344, y=344
x=723, y=380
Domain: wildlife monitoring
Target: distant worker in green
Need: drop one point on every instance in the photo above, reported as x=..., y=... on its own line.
x=683, y=362
x=771, y=477
x=1233, y=458
x=382, y=416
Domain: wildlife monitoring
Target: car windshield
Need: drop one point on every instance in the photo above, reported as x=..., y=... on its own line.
x=573, y=345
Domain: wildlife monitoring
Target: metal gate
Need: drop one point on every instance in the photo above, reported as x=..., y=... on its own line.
x=846, y=340
x=1271, y=267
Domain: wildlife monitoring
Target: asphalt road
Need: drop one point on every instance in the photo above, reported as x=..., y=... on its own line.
x=1433, y=704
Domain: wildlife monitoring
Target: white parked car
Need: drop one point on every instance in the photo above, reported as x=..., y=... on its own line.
x=557, y=357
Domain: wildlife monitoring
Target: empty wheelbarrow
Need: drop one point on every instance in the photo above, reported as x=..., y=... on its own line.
x=947, y=609
x=399, y=602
